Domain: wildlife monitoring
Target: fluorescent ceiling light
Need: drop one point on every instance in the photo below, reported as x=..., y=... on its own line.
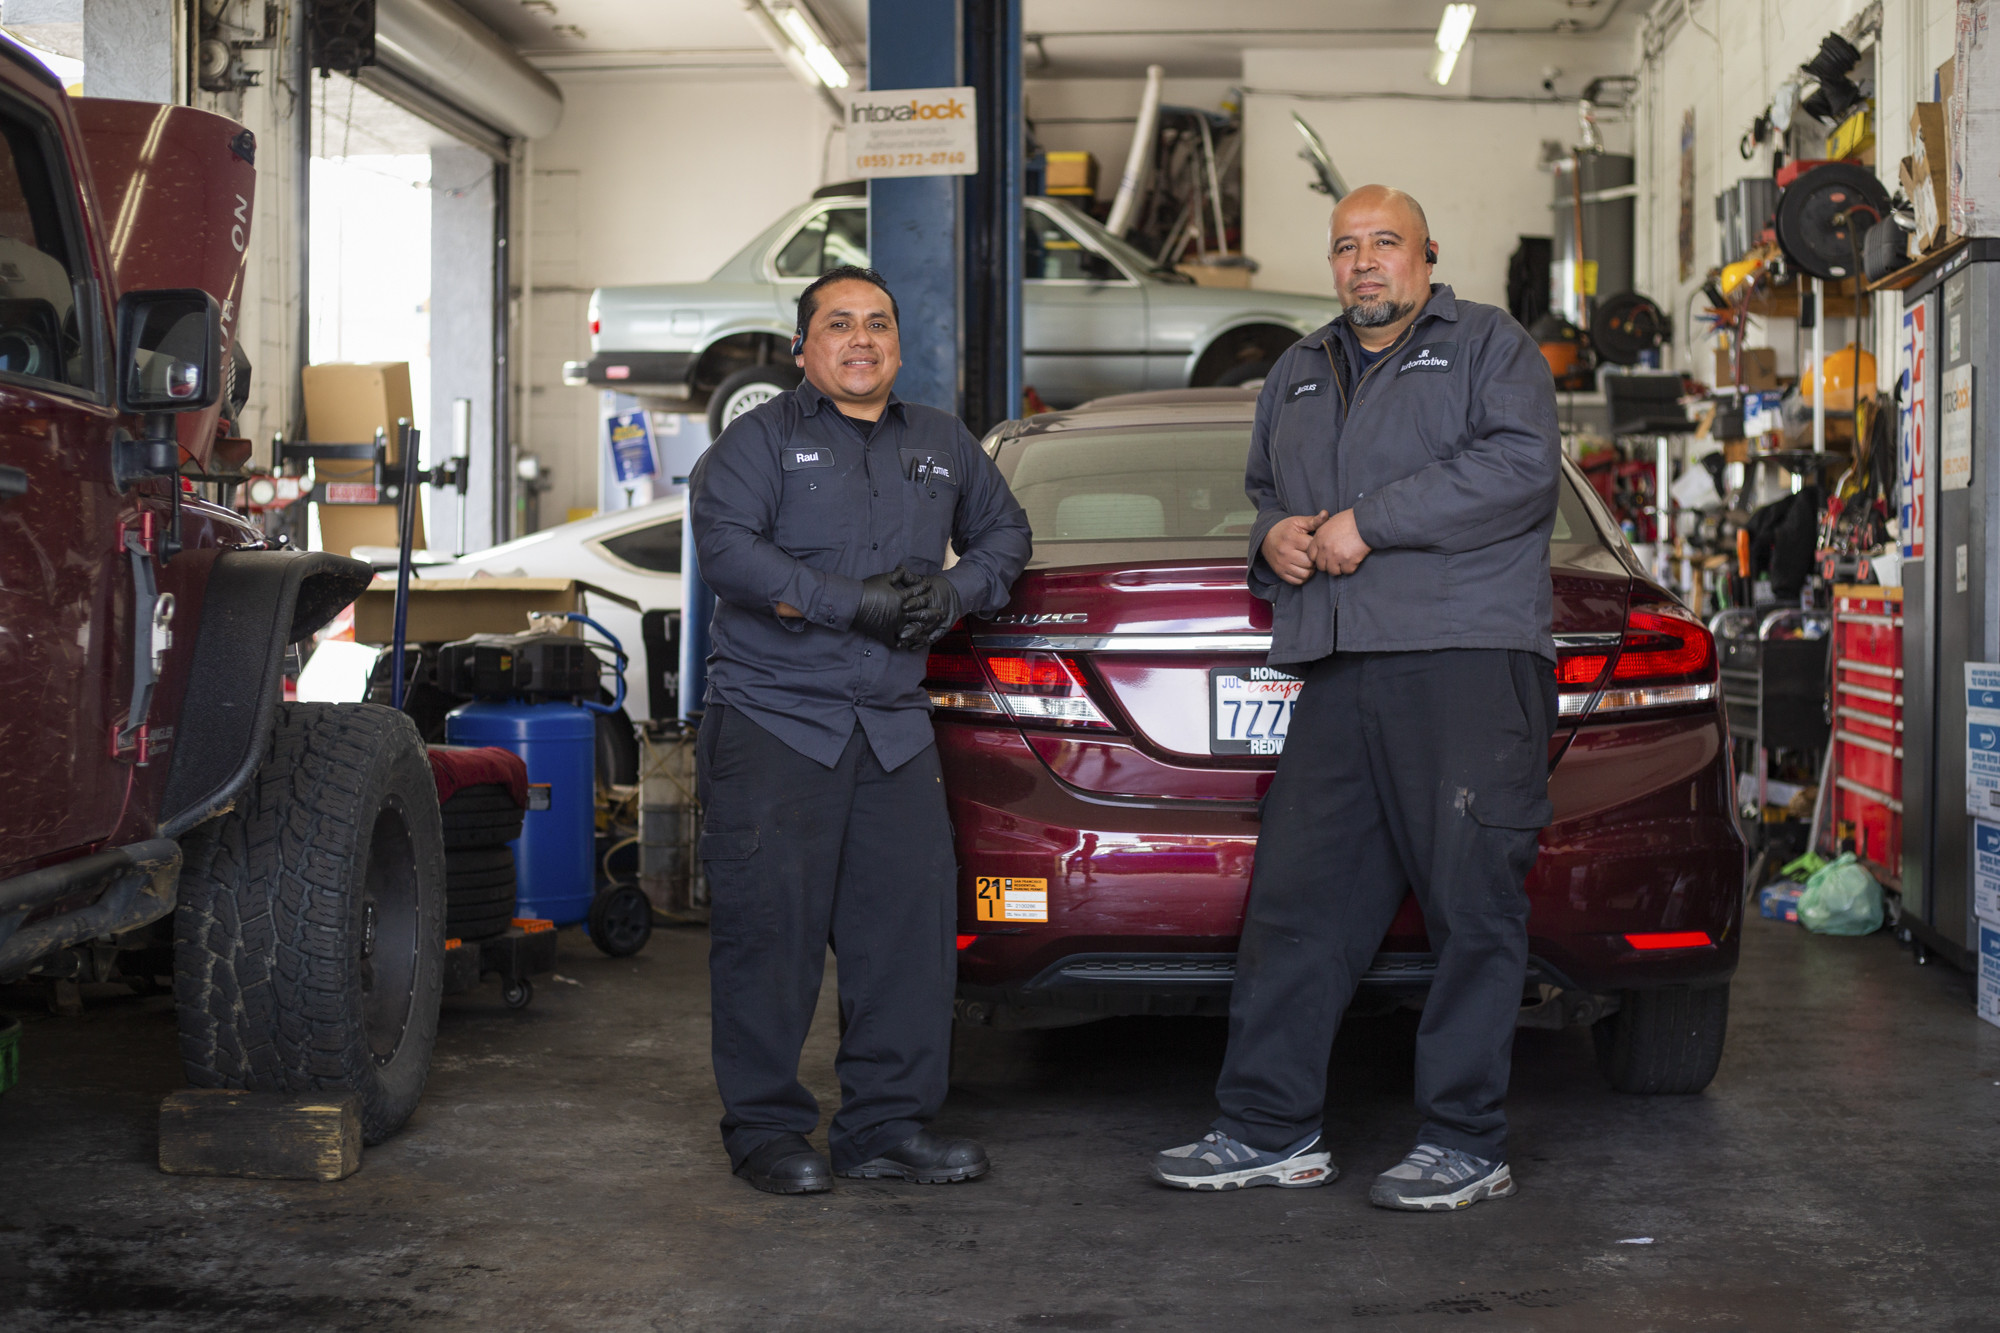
x=1453, y=29
x=805, y=36
x=792, y=31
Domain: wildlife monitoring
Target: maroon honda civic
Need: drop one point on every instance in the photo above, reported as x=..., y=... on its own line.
x=1107, y=736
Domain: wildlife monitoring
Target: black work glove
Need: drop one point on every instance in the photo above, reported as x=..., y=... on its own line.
x=880, y=614
x=932, y=608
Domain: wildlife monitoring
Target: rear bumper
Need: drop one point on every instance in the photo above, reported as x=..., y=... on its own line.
x=1136, y=982
x=1146, y=898
x=666, y=373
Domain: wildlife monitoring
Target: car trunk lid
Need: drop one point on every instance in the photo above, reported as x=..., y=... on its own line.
x=1109, y=666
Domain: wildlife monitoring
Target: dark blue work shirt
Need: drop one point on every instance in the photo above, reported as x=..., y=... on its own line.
x=796, y=504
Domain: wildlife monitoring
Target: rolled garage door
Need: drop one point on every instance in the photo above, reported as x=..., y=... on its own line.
x=441, y=63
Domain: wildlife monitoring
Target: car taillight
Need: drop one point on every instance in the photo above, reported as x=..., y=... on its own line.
x=1044, y=687
x=1671, y=939
x=1665, y=659
x=957, y=685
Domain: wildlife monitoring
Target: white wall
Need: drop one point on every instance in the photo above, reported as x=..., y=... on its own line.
x=1725, y=59
x=1473, y=164
x=654, y=176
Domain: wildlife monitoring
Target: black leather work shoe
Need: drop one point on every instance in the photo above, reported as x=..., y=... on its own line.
x=787, y=1165
x=926, y=1159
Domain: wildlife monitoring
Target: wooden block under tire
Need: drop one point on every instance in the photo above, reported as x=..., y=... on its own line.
x=260, y=1135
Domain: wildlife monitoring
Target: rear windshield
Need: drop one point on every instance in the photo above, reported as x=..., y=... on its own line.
x=1163, y=483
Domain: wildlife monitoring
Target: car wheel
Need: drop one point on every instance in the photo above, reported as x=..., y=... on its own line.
x=309, y=938
x=1247, y=373
x=746, y=389
x=1667, y=1040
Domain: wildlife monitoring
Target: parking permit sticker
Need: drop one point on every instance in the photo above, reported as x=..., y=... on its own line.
x=1016, y=899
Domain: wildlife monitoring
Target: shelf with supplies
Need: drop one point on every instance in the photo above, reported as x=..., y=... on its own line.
x=1910, y=274
x=1782, y=301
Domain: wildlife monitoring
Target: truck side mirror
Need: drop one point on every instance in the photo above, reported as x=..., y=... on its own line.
x=169, y=351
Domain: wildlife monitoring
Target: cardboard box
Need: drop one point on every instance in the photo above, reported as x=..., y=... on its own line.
x=1972, y=121
x=444, y=610
x=1071, y=173
x=1217, y=275
x=1923, y=182
x=344, y=527
x=1924, y=178
x=346, y=402
x=1989, y=973
x=1760, y=367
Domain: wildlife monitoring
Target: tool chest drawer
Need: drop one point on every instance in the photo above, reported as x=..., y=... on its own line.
x=1867, y=709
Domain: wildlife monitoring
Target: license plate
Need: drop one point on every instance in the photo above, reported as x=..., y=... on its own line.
x=1250, y=709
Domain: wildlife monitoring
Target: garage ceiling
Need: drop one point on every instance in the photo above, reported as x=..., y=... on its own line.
x=1077, y=38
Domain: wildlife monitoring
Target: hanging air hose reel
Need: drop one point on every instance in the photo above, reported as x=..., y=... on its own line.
x=1823, y=214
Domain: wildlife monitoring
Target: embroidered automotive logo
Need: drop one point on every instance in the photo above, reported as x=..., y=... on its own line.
x=1435, y=357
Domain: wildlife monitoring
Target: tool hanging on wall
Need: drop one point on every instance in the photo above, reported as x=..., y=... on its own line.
x=1329, y=182
x=1822, y=215
x=1626, y=327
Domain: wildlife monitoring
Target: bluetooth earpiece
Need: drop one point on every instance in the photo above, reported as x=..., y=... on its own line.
x=799, y=341
x=1430, y=252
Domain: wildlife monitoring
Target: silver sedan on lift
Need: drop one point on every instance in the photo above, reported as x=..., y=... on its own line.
x=1100, y=317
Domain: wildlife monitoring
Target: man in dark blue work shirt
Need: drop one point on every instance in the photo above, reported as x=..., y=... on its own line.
x=821, y=520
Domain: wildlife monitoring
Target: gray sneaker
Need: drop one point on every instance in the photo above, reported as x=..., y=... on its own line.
x=1218, y=1162
x=1437, y=1180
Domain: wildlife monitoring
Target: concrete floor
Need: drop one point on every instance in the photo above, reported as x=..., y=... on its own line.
x=563, y=1173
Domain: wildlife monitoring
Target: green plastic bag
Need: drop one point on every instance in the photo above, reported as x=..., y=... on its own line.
x=1842, y=898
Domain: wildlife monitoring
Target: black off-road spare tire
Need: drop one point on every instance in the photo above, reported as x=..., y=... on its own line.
x=309, y=937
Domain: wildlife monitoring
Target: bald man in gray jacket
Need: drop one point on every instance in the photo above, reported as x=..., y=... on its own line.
x=1404, y=465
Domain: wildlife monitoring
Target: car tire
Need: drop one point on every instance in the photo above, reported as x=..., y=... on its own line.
x=617, y=749
x=1665, y=1041
x=478, y=861
x=1244, y=374
x=746, y=389
x=309, y=937
x=485, y=799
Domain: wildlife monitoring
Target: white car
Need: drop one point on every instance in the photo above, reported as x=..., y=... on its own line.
x=634, y=553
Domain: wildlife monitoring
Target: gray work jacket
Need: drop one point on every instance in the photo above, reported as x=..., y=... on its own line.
x=1448, y=452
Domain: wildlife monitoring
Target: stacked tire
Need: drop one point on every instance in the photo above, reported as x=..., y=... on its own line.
x=479, y=822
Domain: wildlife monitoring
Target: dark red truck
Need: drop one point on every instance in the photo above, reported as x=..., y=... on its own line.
x=160, y=797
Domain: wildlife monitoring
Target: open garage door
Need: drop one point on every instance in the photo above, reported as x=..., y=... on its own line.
x=411, y=167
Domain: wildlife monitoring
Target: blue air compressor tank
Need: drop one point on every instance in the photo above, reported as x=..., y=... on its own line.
x=555, y=856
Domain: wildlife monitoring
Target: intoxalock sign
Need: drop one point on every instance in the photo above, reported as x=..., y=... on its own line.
x=913, y=132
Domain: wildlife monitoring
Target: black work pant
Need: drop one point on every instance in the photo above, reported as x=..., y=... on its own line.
x=800, y=856
x=1402, y=771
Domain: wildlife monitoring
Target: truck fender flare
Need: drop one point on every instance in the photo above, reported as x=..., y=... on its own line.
x=257, y=604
